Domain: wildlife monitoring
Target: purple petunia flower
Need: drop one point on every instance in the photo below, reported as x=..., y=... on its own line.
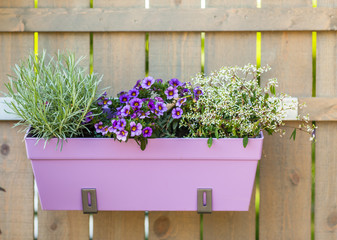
x=99, y=127
x=133, y=93
x=88, y=117
x=159, y=99
x=158, y=113
x=151, y=104
x=161, y=107
x=136, y=103
x=180, y=102
x=135, y=129
x=142, y=114
x=147, y=82
x=175, y=82
x=124, y=98
x=177, y=112
x=104, y=102
x=105, y=130
x=113, y=128
x=147, y=132
x=171, y=92
x=121, y=124
x=137, y=84
x=125, y=111
x=159, y=80
x=122, y=135
x=197, y=91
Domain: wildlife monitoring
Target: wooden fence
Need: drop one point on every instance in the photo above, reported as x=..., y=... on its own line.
x=119, y=31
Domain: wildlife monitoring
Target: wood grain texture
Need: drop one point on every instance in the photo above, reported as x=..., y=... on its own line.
x=320, y=108
x=326, y=153
x=326, y=182
x=231, y=225
x=120, y=57
x=174, y=55
x=229, y=49
x=13, y=48
x=64, y=224
x=285, y=168
x=119, y=225
x=167, y=19
x=174, y=225
x=16, y=178
x=55, y=225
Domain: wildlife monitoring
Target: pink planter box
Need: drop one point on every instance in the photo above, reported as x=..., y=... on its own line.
x=164, y=177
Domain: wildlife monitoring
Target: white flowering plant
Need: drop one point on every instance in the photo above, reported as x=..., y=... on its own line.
x=234, y=105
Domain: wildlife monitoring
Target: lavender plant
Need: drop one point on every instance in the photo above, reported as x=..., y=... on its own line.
x=52, y=95
x=153, y=108
x=235, y=106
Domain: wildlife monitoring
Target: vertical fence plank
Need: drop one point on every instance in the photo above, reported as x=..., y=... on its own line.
x=285, y=169
x=174, y=55
x=229, y=49
x=64, y=224
x=120, y=57
x=16, y=176
x=326, y=153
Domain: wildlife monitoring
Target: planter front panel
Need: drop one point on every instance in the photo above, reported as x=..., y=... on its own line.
x=164, y=177
x=138, y=185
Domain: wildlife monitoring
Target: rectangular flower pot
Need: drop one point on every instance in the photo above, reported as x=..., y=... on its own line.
x=164, y=177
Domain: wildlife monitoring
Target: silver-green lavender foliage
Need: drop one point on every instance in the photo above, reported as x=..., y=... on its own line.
x=234, y=105
x=52, y=94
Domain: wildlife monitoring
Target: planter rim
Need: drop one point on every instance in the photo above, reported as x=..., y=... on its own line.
x=157, y=149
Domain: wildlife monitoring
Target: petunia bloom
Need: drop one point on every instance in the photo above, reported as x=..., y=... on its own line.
x=113, y=128
x=147, y=82
x=171, y=92
x=124, y=98
x=147, y=132
x=125, y=111
x=88, y=117
x=180, y=102
x=104, y=102
x=197, y=91
x=177, y=112
x=133, y=93
x=161, y=107
x=135, y=129
x=122, y=135
x=136, y=103
x=99, y=127
x=121, y=124
x=175, y=82
x=105, y=130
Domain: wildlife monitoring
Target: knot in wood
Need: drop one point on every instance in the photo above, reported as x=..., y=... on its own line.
x=53, y=226
x=294, y=177
x=177, y=2
x=4, y=149
x=161, y=226
x=332, y=220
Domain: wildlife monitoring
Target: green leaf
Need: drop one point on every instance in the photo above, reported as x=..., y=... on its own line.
x=217, y=133
x=272, y=90
x=143, y=143
x=175, y=125
x=245, y=141
x=293, y=135
x=210, y=142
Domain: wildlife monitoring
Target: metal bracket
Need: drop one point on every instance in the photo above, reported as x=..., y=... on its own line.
x=204, y=200
x=89, y=200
